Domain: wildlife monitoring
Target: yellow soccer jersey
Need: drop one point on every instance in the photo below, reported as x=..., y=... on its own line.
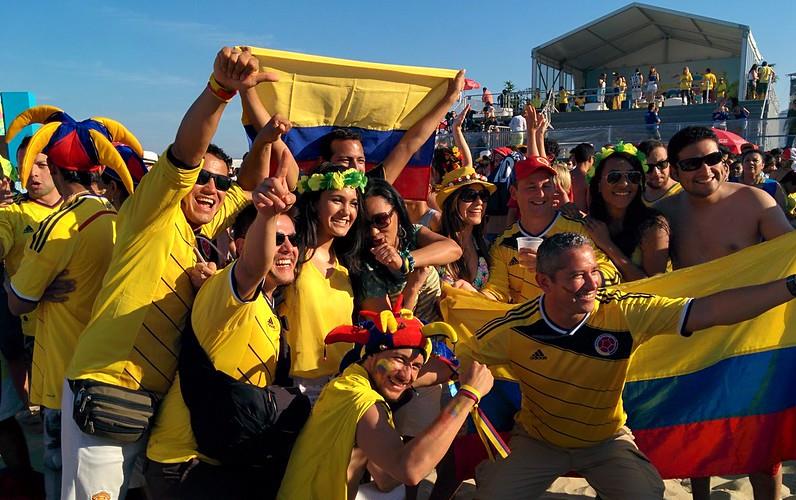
x=17, y=223
x=512, y=283
x=133, y=337
x=319, y=462
x=77, y=238
x=242, y=340
x=313, y=306
x=673, y=190
x=572, y=380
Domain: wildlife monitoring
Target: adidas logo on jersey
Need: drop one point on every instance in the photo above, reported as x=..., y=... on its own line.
x=538, y=355
x=514, y=261
x=27, y=230
x=271, y=322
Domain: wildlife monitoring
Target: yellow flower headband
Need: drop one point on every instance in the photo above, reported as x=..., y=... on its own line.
x=351, y=178
x=619, y=147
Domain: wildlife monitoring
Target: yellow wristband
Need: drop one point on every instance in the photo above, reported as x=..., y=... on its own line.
x=221, y=92
x=471, y=389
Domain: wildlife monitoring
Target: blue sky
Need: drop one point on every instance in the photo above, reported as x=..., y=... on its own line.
x=144, y=62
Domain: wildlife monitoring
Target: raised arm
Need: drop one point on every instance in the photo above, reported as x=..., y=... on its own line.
x=233, y=70
x=739, y=304
x=410, y=463
x=459, y=140
x=258, y=117
x=252, y=173
x=271, y=198
x=531, y=123
x=419, y=133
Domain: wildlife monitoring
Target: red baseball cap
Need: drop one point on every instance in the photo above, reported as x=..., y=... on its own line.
x=532, y=164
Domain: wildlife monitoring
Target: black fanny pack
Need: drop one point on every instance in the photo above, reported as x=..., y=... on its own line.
x=112, y=412
x=234, y=422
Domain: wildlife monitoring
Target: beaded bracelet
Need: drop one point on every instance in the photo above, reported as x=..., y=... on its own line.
x=408, y=262
x=219, y=91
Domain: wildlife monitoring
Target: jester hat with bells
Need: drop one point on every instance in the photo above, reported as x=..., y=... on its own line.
x=71, y=145
x=394, y=329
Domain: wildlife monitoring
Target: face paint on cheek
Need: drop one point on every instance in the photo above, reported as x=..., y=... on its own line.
x=383, y=366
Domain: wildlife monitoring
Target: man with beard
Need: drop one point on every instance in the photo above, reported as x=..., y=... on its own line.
x=351, y=427
x=660, y=184
x=699, y=216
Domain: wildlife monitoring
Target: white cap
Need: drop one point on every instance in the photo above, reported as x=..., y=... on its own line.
x=485, y=154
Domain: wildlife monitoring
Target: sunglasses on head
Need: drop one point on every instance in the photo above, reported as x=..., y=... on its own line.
x=382, y=220
x=469, y=195
x=633, y=177
x=281, y=237
x=691, y=164
x=661, y=165
x=223, y=182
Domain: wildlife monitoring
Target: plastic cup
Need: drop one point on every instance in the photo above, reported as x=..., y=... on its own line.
x=529, y=243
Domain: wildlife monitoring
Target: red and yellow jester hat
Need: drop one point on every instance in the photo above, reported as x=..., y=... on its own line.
x=71, y=145
x=391, y=330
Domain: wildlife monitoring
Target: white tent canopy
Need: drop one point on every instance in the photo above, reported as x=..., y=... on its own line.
x=640, y=34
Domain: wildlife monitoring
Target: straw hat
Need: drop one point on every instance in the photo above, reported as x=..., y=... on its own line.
x=458, y=178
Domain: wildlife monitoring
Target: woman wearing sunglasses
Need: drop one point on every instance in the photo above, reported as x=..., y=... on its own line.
x=401, y=256
x=634, y=237
x=462, y=196
x=328, y=230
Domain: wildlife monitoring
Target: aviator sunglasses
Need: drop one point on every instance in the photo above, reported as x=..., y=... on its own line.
x=223, y=182
x=691, y=164
x=382, y=220
x=633, y=177
x=469, y=195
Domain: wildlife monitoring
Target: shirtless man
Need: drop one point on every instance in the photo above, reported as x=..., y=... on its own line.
x=698, y=219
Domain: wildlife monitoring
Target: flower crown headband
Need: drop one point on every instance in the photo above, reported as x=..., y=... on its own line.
x=619, y=147
x=351, y=178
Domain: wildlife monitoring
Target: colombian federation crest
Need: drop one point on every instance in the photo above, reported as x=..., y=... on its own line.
x=606, y=344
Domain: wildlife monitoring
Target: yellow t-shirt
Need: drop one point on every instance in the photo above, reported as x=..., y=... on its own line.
x=17, y=223
x=708, y=81
x=242, y=340
x=763, y=74
x=512, y=283
x=313, y=306
x=790, y=205
x=79, y=238
x=686, y=81
x=319, y=462
x=133, y=338
x=572, y=380
x=673, y=190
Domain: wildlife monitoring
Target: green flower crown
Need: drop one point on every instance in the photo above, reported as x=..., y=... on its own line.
x=351, y=178
x=619, y=147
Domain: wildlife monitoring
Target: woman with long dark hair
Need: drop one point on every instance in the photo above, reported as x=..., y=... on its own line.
x=634, y=237
x=401, y=256
x=328, y=233
x=463, y=195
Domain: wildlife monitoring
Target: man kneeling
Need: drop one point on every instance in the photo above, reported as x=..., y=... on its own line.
x=351, y=429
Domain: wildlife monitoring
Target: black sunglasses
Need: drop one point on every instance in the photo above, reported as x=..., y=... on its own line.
x=661, y=165
x=633, y=177
x=691, y=164
x=469, y=195
x=281, y=237
x=382, y=220
x=223, y=182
